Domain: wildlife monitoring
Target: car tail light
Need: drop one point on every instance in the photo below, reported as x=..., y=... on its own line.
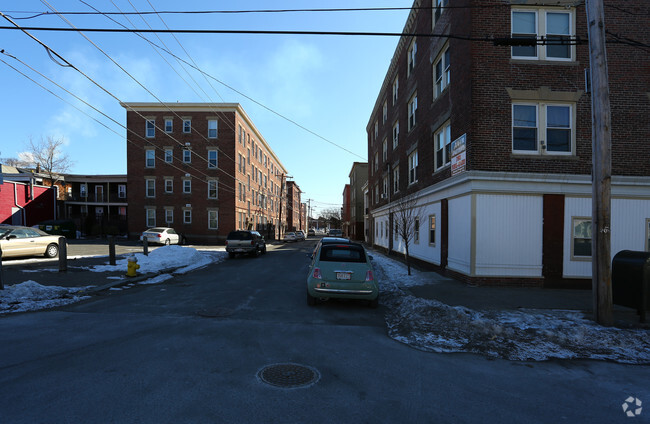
x=369, y=276
x=226, y=242
x=253, y=244
x=317, y=274
x=159, y=236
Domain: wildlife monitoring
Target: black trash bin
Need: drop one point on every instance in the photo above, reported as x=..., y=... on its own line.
x=631, y=280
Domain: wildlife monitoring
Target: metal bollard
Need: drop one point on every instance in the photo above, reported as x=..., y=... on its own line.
x=145, y=246
x=111, y=250
x=63, y=255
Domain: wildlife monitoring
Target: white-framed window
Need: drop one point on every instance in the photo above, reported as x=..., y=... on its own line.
x=543, y=128
x=438, y=10
x=384, y=187
x=441, y=73
x=432, y=230
x=412, y=108
x=83, y=190
x=121, y=211
x=580, y=237
x=187, y=216
x=410, y=58
x=413, y=167
x=396, y=179
x=416, y=230
x=169, y=155
x=169, y=185
x=121, y=191
x=150, y=128
x=384, y=113
x=442, y=140
x=187, y=156
x=187, y=186
x=555, y=25
x=395, y=89
x=376, y=162
x=212, y=189
x=150, y=187
x=384, y=150
x=395, y=135
x=150, y=158
x=376, y=130
x=213, y=219
x=212, y=159
x=169, y=125
x=212, y=128
x=169, y=215
x=150, y=216
x=187, y=126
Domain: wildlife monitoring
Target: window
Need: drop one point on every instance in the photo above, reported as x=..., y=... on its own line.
x=213, y=220
x=384, y=187
x=212, y=189
x=376, y=161
x=441, y=73
x=151, y=217
x=83, y=190
x=150, y=130
x=395, y=135
x=121, y=191
x=187, y=186
x=212, y=159
x=432, y=230
x=442, y=140
x=150, y=187
x=187, y=126
x=438, y=10
x=581, y=237
x=553, y=25
x=187, y=156
x=376, y=130
x=413, y=106
x=413, y=167
x=169, y=125
x=169, y=155
x=169, y=185
x=187, y=216
x=150, y=158
x=384, y=112
x=416, y=230
x=395, y=89
x=384, y=150
x=542, y=128
x=212, y=128
x=396, y=179
x=169, y=215
x=410, y=59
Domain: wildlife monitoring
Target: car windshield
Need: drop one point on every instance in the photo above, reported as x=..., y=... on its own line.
x=342, y=253
x=240, y=235
x=156, y=230
x=4, y=232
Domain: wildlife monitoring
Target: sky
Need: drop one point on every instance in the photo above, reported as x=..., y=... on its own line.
x=327, y=84
x=425, y=324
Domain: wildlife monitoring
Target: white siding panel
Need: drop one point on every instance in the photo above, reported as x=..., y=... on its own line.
x=629, y=224
x=460, y=234
x=509, y=230
x=423, y=250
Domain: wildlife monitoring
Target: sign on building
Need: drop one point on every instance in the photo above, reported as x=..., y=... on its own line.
x=458, y=158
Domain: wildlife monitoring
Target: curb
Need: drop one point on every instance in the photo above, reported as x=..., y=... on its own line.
x=129, y=280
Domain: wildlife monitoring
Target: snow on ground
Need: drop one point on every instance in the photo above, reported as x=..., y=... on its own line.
x=527, y=335
x=31, y=296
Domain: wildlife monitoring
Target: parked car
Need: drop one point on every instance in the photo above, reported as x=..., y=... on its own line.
x=290, y=236
x=26, y=241
x=342, y=270
x=300, y=236
x=335, y=233
x=245, y=242
x=311, y=232
x=161, y=235
x=328, y=240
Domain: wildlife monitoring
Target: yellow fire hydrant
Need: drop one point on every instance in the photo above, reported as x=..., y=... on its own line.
x=132, y=266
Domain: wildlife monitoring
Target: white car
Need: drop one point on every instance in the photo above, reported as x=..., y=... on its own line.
x=161, y=235
x=289, y=237
x=300, y=235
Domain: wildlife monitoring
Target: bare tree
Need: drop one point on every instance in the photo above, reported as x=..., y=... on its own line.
x=332, y=216
x=47, y=156
x=406, y=221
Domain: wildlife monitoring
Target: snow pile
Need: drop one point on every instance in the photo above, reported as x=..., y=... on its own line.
x=184, y=258
x=31, y=296
x=524, y=334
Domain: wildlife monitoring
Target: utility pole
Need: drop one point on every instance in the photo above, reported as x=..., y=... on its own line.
x=602, y=165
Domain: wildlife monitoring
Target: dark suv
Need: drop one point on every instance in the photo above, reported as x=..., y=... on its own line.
x=245, y=241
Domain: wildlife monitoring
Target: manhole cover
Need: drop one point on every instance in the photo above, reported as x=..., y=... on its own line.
x=288, y=376
x=215, y=312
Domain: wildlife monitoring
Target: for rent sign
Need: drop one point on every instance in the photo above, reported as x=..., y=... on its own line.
x=458, y=157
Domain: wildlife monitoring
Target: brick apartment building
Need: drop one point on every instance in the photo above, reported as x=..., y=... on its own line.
x=294, y=211
x=358, y=177
x=345, y=211
x=202, y=168
x=511, y=203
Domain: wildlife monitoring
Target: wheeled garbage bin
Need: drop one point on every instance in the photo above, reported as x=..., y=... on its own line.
x=631, y=280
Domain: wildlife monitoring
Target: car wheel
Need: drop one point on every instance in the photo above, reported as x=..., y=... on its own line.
x=263, y=249
x=52, y=250
x=168, y=242
x=374, y=303
x=311, y=300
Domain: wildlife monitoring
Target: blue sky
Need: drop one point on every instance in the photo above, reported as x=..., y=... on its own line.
x=327, y=84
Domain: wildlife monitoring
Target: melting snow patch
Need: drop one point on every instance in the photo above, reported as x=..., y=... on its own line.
x=31, y=296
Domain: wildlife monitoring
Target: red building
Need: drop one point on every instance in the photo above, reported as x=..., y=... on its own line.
x=26, y=204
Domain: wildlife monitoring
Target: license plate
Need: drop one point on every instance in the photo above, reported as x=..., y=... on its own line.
x=342, y=275
x=239, y=250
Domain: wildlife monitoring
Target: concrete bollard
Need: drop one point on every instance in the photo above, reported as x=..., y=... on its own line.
x=145, y=246
x=111, y=250
x=63, y=255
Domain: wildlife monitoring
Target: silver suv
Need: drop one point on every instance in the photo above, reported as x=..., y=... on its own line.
x=245, y=241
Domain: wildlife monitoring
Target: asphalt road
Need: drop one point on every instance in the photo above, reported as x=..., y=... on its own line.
x=190, y=350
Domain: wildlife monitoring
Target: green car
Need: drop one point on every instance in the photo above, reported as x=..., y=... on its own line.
x=342, y=270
